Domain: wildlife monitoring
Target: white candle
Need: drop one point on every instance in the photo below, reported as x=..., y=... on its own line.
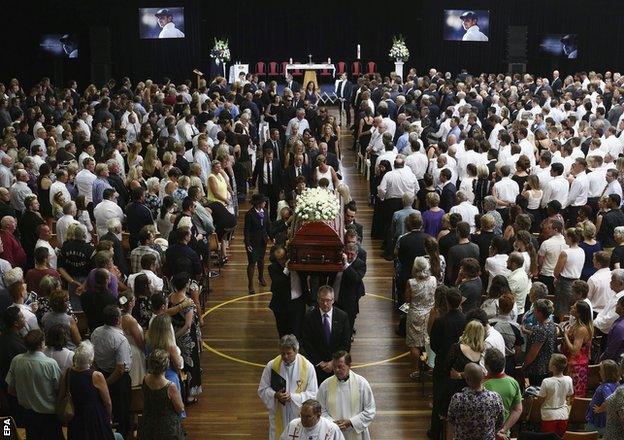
x=358, y=52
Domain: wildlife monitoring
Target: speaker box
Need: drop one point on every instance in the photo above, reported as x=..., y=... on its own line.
x=517, y=44
x=100, y=43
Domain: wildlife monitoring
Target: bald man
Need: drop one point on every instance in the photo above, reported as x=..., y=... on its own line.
x=475, y=412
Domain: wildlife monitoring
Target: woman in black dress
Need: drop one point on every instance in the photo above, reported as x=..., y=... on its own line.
x=330, y=138
x=43, y=191
x=256, y=236
x=365, y=130
x=378, y=214
x=90, y=396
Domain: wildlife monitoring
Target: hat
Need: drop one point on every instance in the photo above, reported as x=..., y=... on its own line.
x=164, y=12
x=468, y=15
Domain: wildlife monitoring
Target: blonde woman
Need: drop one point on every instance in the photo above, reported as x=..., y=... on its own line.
x=533, y=193
x=420, y=296
x=151, y=163
x=469, y=349
x=134, y=333
x=160, y=336
x=135, y=179
x=134, y=155
x=590, y=246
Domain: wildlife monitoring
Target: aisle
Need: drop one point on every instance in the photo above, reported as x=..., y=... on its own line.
x=240, y=337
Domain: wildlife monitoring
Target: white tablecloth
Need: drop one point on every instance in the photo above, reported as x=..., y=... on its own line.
x=235, y=70
x=308, y=66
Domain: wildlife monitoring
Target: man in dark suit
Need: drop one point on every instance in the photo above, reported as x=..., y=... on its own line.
x=325, y=330
x=293, y=85
x=350, y=210
x=408, y=247
x=288, y=312
x=350, y=286
x=274, y=143
x=556, y=84
x=447, y=196
x=343, y=91
x=256, y=237
x=331, y=158
x=296, y=169
x=267, y=175
x=445, y=332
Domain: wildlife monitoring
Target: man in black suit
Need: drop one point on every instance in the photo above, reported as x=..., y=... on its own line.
x=296, y=169
x=408, y=247
x=288, y=312
x=350, y=286
x=447, y=196
x=274, y=143
x=293, y=85
x=350, y=209
x=343, y=91
x=445, y=332
x=267, y=175
x=256, y=237
x=325, y=330
x=556, y=84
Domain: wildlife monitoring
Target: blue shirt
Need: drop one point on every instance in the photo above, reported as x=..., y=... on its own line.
x=99, y=185
x=402, y=142
x=601, y=394
x=615, y=341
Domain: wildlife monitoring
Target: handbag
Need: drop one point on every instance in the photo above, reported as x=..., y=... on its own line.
x=65, y=404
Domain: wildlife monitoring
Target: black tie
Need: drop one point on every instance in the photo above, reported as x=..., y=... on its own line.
x=298, y=172
x=276, y=149
x=269, y=173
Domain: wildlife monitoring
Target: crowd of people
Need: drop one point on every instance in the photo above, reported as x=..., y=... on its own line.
x=497, y=197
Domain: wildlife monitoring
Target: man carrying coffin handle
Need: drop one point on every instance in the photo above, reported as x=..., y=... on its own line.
x=347, y=399
x=287, y=381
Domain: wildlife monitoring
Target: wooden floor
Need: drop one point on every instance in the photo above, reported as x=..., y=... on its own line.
x=240, y=337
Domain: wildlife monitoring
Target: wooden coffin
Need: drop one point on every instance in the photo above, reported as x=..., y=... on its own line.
x=317, y=246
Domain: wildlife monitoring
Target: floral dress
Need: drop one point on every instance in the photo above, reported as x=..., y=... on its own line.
x=152, y=201
x=190, y=347
x=578, y=367
x=418, y=314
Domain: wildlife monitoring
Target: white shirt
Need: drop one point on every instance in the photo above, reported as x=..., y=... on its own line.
x=389, y=156
x=59, y=187
x=18, y=193
x=474, y=34
x=418, y=163
x=469, y=157
x=556, y=390
x=84, y=183
x=156, y=283
x=613, y=188
x=494, y=142
x=51, y=251
x=303, y=124
x=391, y=125
x=506, y=190
x=104, y=211
x=555, y=189
x=267, y=172
x=468, y=211
x=574, y=264
x=6, y=176
x=494, y=339
x=61, y=228
x=550, y=250
x=496, y=265
x=325, y=429
x=543, y=174
x=170, y=31
x=600, y=291
x=204, y=162
x=597, y=182
x=82, y=157
x=85, y=128
x=605, y=319
x=578, y=191
x=520, y=285
x=397, y=182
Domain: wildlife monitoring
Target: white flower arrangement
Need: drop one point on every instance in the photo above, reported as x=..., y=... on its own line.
x=317, y=204
x=221, y=50
x=399, y=50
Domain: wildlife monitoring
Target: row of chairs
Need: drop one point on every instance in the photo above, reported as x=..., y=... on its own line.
x=531, y=415
x=274, y=69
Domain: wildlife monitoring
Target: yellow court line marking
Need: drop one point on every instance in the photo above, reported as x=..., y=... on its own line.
x=254, y=364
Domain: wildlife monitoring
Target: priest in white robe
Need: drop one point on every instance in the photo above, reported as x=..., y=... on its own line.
x=347, y=399
x=311, y=426
x=284, y=405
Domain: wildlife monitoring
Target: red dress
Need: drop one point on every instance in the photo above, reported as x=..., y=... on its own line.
x=578, y=367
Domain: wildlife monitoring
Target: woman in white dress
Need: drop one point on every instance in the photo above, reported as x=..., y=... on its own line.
x=324, y=171
x=134, y=333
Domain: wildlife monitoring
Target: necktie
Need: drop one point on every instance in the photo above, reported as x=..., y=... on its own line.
x=326, y=329
x=298, y=172
x=276, y=149
x=261, y=216
x=269, y=173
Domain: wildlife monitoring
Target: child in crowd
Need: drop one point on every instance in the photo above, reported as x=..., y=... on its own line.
x=554, y=392
x=610, y=376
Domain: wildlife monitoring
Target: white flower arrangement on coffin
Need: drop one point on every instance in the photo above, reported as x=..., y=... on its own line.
x=317, y=204
x=220, y=51
x=399, y=50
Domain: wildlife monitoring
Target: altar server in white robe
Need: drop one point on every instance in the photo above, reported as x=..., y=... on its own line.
x=301, y=385
x=347, y=399
x=311, y=426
